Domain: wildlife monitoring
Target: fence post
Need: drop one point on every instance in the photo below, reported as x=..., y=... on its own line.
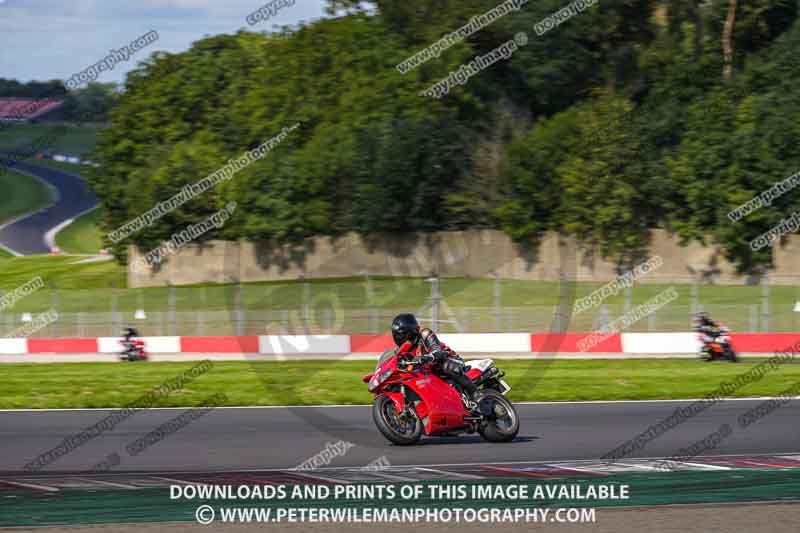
x=202, y=326
x=115, y=325
x=238, y=310
x=563, y=311
x=435, y=297
x=140, y=306
x=328, y=319
x=371, y=310
x=285, y=323
x=173, y=327
x=628, y=299
x=765, y=303
x=199, y=317
x=56, y=305
x=306, y=307
x=498, y=303
x=605, y=318
x=651, y=322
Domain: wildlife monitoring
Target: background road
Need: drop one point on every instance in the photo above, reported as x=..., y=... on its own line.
x=267, y=438
x=26, y=235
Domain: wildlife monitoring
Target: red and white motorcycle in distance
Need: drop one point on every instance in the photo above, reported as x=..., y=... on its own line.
x=412, y=400
x=133, y=350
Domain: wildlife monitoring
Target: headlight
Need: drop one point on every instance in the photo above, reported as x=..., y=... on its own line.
x=377, y=380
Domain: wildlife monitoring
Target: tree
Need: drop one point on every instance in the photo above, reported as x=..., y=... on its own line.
x=727, y=40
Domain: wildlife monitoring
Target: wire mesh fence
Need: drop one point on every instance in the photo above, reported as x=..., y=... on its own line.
x=367, y=305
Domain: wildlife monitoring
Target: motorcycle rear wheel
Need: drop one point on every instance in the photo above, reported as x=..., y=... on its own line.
x=387, y=419
x=508, y=426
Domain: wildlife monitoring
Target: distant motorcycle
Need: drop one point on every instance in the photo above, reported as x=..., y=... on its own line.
x=412, y=400
x=717, y=345
x=133, y=350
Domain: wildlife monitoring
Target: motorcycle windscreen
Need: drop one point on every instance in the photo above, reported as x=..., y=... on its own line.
x=385, y=356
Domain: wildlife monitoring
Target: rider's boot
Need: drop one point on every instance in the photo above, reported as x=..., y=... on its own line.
x=473, y=396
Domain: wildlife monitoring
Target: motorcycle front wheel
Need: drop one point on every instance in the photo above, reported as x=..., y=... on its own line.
x=398, y=429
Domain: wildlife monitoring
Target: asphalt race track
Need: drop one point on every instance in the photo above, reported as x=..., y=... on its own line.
x=233, y=439
x=25, y=235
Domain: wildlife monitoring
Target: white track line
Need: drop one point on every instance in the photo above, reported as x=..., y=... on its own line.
x=455, y=474
x=706, y=466
x=30, y=486
x=390, y=477
x=109, y=483
x=317, y=478
x=556, y=462
x=50, y=235
x=9, y=250
x=576, y=402
x=645, y=467
x=177, y=481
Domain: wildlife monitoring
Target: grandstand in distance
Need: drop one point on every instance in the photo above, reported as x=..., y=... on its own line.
x=31, y=110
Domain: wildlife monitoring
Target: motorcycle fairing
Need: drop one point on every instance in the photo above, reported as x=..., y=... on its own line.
x=439, y=398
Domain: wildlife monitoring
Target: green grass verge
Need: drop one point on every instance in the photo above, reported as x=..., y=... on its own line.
x=82, y=236
x=60, y=271
x=87, y=385
x=76, y=140
x=21, y=194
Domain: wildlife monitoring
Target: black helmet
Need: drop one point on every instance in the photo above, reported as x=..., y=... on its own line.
x=701, y=316
x=405, y=328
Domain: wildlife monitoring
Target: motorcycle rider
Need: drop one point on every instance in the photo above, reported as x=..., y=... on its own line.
x=128, y=334
x=426, y=345
x=708, y=330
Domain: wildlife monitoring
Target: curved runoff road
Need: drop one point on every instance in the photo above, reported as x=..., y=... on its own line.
x=280, y=438
x=25, y=235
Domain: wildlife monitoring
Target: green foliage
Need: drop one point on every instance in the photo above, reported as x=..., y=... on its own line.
x=33, y=89
x=612, y=123
x=87, y=104
x=92, y=103
x=533, y=186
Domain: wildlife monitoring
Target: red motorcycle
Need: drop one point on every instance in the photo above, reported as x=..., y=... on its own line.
x=716, y=344
x=413, y=399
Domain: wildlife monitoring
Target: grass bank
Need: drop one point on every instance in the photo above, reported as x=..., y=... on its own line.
x=82, y=236
x=21, y=194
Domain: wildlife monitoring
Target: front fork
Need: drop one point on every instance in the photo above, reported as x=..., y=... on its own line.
x=403, y=407
x=407, y=412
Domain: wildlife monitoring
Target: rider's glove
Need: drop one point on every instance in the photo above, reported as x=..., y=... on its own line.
x=427, y=358
x=439, y=355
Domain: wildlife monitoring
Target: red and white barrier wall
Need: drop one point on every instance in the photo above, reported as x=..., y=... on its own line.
x=299, y=346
